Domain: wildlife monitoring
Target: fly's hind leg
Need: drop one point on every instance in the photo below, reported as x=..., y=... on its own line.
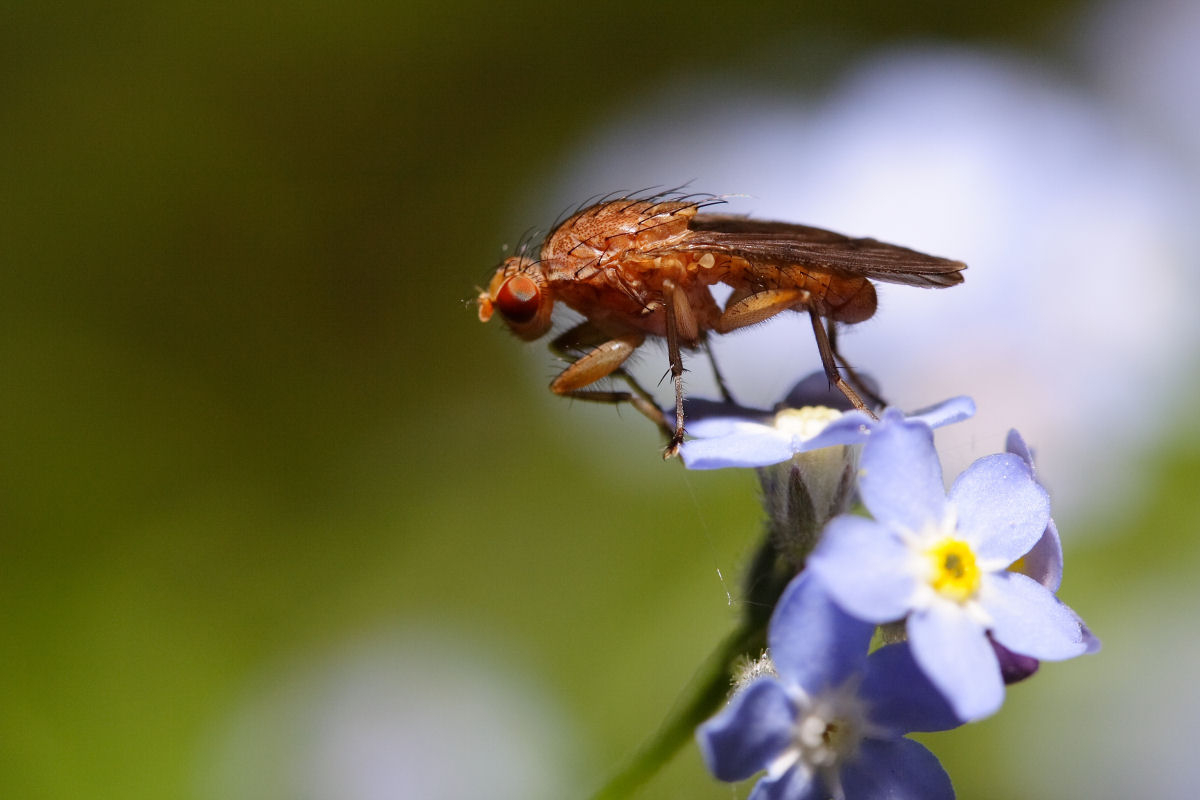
x=601, y=358
x=829, y=359
x=855, y=378
x=750, y=308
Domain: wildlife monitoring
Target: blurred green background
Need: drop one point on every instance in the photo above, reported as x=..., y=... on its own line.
x=252, y=430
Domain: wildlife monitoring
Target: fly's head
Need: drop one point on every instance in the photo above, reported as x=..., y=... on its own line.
x=520, y=293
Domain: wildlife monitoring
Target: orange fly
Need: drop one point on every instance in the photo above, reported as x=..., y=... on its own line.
x=641, y=267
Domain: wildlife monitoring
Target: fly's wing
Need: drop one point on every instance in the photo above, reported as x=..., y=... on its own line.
x=783, y=244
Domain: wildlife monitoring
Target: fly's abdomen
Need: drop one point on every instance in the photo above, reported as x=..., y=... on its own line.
x=848, y=299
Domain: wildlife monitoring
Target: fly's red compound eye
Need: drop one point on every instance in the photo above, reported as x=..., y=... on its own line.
x=519, y=299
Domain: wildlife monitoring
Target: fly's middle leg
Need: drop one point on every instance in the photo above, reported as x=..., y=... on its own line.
x=726, y=395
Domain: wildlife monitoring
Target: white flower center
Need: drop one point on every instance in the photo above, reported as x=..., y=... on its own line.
x=805, y=422
x=827, y=734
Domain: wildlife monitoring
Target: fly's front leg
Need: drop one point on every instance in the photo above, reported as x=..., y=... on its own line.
x=603, y=360
x=585, y=337
x=829, y=358
x=681, y=324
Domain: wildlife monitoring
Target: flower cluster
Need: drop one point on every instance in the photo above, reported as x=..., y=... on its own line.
x=958, y=585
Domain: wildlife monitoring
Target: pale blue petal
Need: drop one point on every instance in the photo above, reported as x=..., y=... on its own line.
x=851, y=427
x=1002, y=511
x=749, y=733
x=900, y=695
x=863, y=566
x=955, y=653
x=813, y=643
x=900, y=475
x=1028, y=619
x=713, y=427
x=1014, y=443
x=1044, y=562
x=750, y=446
x=956, y=409
x=722, y=440
x=898, y=769
x=1091, y=643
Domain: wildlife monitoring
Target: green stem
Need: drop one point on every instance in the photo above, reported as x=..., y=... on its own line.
x=792, y=528
x=704, y=695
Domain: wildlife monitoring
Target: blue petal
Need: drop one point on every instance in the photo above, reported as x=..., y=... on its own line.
x=851, y=427
x=724, y=439
x=749, y=445
x=795, y=784
x=1014, y=667
x=901, y=477
x=901, y=696
x=750, y=732
x=863, y=566
x=1015, y=444
x=713, y=427
x=1002, y=511
x=956, y=409
x=900, y=769
x=1028, y=619
x=1044, y=561
x=954, y=652
x=813, y=643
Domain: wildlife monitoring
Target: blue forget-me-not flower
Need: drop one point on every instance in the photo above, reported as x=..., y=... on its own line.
x=737, y=441
x=941, y=562
x=833, y=721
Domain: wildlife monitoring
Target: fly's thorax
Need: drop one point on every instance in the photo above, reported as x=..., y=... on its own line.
x=520, y=292
x=615, y=230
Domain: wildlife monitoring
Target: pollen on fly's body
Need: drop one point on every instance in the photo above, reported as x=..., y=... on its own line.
x=641, y=267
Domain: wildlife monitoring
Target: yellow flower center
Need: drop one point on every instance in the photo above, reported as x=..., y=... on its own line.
x=954, y=574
